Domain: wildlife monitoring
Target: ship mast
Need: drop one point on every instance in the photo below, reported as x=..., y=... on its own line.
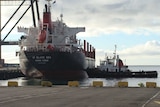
x=49, y=4
x=61, y=15
x=115, y=58
x=115, y=52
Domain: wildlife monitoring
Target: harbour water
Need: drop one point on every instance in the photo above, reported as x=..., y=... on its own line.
x=133, y=82
x=109, y=82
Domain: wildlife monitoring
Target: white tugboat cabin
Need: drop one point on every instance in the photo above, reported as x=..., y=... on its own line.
x=114, y=64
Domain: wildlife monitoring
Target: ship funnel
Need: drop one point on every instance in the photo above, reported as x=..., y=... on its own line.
x=46, y=7
x=47, y=23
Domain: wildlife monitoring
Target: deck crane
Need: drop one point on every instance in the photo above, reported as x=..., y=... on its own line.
x=19, y=3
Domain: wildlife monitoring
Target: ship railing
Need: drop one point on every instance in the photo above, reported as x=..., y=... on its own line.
x=57, y=48
x=33, y=48
x=22, y=29
x=68, y=47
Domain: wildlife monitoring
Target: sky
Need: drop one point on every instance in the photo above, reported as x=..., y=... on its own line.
x=132, y=25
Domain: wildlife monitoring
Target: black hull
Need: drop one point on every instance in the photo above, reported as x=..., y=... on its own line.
x=54, y=65
x=96, y=73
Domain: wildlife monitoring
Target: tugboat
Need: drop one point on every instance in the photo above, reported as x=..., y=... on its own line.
x=52, y=51
x=114, y=64
x=114, y=68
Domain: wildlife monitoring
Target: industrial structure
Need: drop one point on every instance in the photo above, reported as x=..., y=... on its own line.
x=19, y=3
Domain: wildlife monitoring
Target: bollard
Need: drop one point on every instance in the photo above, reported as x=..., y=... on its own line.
x=46, y=83
x=97, y=83
x=122, y=84
x=73, y=83
x=12, y=84
x=151, y=84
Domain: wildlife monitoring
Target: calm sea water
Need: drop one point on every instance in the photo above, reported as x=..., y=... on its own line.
x=132, y=82
x=111, y=82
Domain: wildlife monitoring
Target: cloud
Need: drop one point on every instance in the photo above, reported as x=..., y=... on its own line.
x=150, y=48
x=148, y=53
x=112, y=15
x=103, y=17
x=108, y=16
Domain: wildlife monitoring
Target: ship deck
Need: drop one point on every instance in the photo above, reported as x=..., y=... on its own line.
x=64, y=96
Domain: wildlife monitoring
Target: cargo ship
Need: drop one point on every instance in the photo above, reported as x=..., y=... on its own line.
x=52, y=50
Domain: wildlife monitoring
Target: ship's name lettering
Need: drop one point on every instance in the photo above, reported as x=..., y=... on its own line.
x=41, y=57
x=43, y=60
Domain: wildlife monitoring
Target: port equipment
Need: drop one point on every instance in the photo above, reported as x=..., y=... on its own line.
x=46, y=83
x=12, y=84
x=20, y=3
x=151, y=84
x=97, y=83
x=122, y=84
x=73, y=83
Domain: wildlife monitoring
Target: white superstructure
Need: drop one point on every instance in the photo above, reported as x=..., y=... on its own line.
x=50, y=35
x=114, y=64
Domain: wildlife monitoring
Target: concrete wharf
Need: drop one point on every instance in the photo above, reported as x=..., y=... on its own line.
x=65, y=96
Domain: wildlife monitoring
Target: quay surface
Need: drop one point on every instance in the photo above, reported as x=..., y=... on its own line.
x=64, y=96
